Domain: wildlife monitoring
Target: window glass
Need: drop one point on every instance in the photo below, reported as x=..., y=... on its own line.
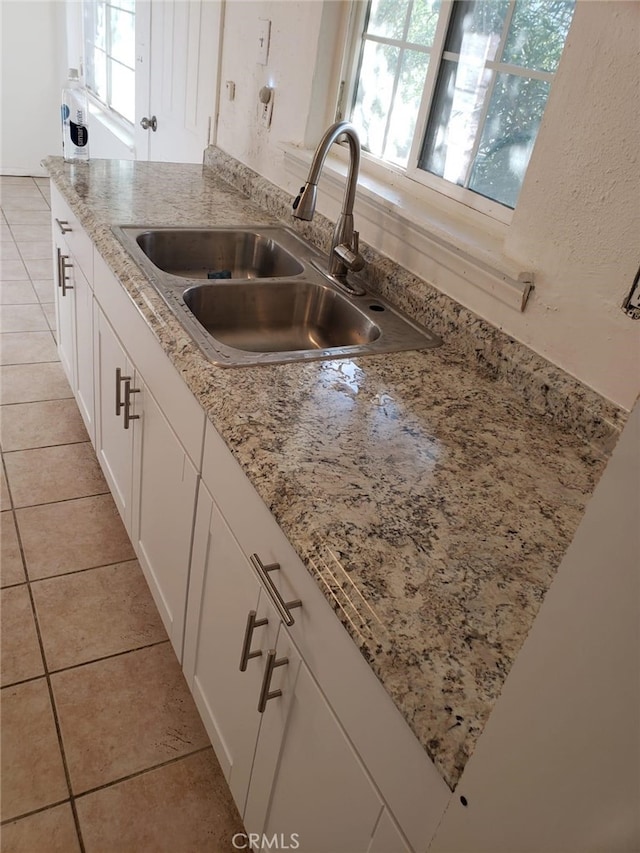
x=109, y=29
x=406, y=104
x=455, y=117
x=507, y=140
x=123, y=90
x=123, y=37
x=424, y=20
x=538, y=32
x=375, y=94
x=387, y=18
x=475, y=27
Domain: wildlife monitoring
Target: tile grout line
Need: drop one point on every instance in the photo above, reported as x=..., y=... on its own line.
x=9, y=820
x=80, y=571
x=59, y=500
x=111, y=784
x=71, y=572
x=137, y=773
x=88, y=662
x=56, y=718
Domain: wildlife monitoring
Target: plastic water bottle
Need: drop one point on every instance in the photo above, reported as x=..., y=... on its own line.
x=75, y=112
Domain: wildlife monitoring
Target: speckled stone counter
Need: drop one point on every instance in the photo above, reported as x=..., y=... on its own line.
x=431, y=504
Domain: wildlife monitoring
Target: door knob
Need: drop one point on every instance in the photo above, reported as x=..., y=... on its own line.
x=146, y=123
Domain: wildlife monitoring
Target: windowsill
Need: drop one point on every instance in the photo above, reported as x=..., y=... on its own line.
x=121, y=129
x=441, y=236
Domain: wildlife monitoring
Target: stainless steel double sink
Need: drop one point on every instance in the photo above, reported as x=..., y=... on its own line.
x=257, y=295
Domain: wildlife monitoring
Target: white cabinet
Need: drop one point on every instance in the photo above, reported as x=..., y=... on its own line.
x=307, y=778
x=289, y=764
x=64, y=307
x=74, y=318
x=223, y=595
x=151, y=478
x=114, y=438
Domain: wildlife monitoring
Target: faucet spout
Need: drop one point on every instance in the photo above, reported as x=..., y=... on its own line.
x=344, y=254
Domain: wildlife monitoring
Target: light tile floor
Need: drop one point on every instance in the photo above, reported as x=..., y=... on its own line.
x=102, y=747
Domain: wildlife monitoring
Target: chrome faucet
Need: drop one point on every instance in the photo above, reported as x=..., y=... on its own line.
x=344, y=254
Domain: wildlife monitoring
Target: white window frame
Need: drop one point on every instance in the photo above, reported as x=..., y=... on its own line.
x=461, y=194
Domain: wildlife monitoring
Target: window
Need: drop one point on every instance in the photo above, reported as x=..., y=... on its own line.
x=109, y=34
x=454, y=90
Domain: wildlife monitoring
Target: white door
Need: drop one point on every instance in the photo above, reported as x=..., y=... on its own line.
x=177, y=50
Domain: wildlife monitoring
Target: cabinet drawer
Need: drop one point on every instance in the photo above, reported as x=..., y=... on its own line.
x=66, y=224
x=410, y=784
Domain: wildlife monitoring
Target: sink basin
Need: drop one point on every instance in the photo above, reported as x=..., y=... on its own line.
x=217, y=253
x=268, y=300
x=278, y=318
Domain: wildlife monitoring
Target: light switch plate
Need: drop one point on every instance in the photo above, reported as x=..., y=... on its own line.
x=264, y=34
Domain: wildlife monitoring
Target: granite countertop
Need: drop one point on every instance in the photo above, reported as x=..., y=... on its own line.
x=432, y=506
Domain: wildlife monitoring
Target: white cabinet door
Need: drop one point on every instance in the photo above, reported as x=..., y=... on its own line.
x=307, y=780
x=165, y=486
x=387, y=837
x=65, y=309
x=223, y=593
x=74, y=317
x=83, y=388
x=114, y=443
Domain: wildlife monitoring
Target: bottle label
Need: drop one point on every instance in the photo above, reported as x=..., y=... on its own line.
x=79, y=134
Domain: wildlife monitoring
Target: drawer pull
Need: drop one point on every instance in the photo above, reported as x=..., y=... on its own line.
x=247, y=654
x=62, y=272
x=119, y=380
x=128, y=391
x=61, y=225
x=283, y=607
x=266, y=693
x=64, y=266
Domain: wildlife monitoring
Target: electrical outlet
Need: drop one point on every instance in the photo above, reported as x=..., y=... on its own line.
x=266, y=105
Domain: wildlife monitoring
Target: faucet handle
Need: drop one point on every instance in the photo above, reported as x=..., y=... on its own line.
x=350, y=255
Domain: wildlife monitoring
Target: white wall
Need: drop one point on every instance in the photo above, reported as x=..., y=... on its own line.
x=578, y=216
x=32, y=74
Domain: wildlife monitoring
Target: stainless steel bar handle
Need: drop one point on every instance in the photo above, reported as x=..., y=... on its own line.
x=64, y=263
x=61, y=226
x=283, y=607
x=247, y=654
x=59, y=263
x=266, y=693
x=128, y=391
x=119, y=380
